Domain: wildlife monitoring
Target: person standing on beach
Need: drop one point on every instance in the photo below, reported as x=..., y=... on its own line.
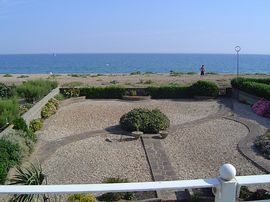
x=202, y=70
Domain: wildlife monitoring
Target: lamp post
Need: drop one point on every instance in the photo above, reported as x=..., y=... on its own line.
x=237, y=49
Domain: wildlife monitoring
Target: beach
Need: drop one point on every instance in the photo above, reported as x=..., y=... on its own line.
x=128, y=80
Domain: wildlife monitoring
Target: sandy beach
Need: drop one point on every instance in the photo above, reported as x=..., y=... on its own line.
x=129, y=80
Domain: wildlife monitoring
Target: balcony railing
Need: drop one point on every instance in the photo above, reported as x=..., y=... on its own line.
x=226, y=187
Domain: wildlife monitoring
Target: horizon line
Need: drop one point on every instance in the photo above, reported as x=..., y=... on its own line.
x=100, y=53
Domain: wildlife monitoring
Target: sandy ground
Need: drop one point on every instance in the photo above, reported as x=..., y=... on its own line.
x=127, y=80
x=88, y=115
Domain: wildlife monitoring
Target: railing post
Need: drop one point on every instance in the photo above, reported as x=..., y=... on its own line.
x=226, y=192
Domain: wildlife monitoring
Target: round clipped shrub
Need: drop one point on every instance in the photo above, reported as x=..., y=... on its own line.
x=145, y=120
x=82, y=198
x=205, y=88
x=36, y=125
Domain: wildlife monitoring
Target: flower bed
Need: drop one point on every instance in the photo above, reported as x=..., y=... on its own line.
x=262, y=108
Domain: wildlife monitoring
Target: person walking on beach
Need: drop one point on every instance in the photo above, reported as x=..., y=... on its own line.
x=202, y=70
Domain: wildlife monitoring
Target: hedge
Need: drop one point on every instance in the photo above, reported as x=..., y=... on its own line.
x=236, y=83
x=257, y=87
x=165, y=92
x=108, y=92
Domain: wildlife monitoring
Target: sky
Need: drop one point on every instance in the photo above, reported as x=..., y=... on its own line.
x=134, y=26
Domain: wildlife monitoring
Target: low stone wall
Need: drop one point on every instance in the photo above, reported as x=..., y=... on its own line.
x=34, y=112
x=245, y=97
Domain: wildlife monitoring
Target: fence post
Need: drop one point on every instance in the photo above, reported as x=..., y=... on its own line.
x=226, y=192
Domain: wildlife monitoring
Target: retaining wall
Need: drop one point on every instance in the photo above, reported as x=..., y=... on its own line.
x=245, y=97
x=34, y=112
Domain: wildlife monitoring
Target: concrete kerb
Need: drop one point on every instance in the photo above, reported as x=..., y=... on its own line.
x=246, y=145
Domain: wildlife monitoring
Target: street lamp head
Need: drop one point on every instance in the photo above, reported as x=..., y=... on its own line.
x=237, y=49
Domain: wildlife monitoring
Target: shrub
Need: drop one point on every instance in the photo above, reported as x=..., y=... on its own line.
x=50, y=108
x=36, y=125
x=204, y=88
x=116, y=196
x=36, y=89
x=5, y=91
x=71, y=92
x=20, y=124
x=262, y=143
x=81, y=198
x=19, y=137
x=9, y=111
x=32, y=175
x=22, y=76
x=55, y=102
x=135, y=73
x=7, y=75
x=248, y=195
x=169, y=92
x=109, y=92
x=10, y=155
x=24, y=108
x=145, y=120
x=60, y=97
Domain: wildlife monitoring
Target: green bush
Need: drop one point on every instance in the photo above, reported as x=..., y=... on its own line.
x=81, y=198
x=169, y=92
x=20, y=124
x=71, y=92
x=36, y=89
x=50, y=108
x=109, y=92
x=205, y=88
x=21, y=138
x=9, y=111
x=116, y=196
x=36, y=125
x=10, y=155
x=5, y=91
x=7, y=75
x=145, y=120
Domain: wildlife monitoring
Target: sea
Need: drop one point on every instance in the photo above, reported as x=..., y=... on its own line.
x=127, y=63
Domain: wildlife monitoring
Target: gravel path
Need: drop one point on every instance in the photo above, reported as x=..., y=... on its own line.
x=94, y=159
x=198, y=152
x=90, y=115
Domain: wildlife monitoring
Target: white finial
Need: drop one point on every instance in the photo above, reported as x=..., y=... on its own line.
x=227, y=172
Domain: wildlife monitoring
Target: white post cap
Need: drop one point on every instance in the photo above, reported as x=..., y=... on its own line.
x=227, y=172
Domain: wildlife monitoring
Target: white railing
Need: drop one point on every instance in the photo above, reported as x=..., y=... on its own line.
x=226, y=187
